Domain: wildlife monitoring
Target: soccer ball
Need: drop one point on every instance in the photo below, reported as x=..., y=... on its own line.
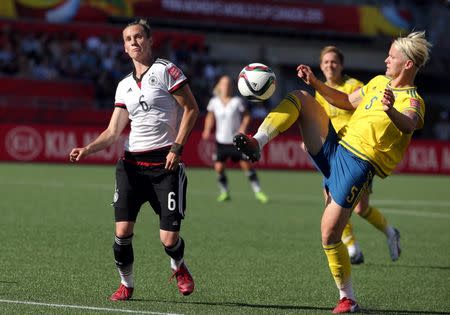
x=256, y=82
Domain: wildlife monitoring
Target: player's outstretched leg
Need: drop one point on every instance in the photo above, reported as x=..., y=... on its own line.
x=247, y=145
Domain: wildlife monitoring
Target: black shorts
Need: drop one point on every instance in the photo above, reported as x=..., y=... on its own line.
x=165, y=191
x=227, y=151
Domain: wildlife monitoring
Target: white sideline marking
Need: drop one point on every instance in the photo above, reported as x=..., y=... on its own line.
x=425, y=214
x=90, y=308
x=414, y=204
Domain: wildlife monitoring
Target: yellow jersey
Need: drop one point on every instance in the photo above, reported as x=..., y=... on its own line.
x=371, y=134
x=340, y=117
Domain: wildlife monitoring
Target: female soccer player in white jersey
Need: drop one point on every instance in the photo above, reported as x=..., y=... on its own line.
x=230, y=116
x=332, y=66
x=387, y=111
x=157, y=100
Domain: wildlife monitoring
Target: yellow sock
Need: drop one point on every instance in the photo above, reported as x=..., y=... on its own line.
x=281, y=117
x=374, y=216
x=339, y=263
x=348, y=238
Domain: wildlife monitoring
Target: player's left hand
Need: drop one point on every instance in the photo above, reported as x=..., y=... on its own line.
x=388, y=100
x=172, y=161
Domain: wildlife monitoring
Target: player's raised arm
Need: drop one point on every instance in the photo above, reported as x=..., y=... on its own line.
x=333, y=96
x=117, y=123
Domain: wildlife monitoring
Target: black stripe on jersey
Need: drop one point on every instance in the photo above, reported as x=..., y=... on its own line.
x=153, y=156
x=121, y=105
x=162, y=61
x=142, y=75
x=178, y=86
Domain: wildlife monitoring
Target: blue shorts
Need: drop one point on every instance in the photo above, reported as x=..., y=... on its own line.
x=346, y=176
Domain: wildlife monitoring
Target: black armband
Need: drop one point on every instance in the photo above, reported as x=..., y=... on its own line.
x=177, y=148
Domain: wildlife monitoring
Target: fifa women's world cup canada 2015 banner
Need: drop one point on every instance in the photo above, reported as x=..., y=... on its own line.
x=52, y=144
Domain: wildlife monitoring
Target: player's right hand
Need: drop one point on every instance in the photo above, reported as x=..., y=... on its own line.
x=305, y=73
x=76, y=154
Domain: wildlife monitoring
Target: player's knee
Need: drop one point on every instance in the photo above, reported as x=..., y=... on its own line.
x=330, y=236
x=123, y=251
x=301, y=94
x=124, y=229
x=169, y=239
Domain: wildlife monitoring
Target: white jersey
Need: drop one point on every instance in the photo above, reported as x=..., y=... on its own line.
x=154, y=113
x=228, y=117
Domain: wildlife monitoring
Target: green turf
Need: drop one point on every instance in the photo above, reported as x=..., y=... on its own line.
x=56, y=228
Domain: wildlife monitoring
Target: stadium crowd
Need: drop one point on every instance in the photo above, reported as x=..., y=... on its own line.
x=102, y=61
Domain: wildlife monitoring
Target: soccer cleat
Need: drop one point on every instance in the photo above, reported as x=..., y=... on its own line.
x=357, y=259
x=122, y=294
x=185, y=282
x=224, y=197
x=261, y=197
x=394, y=245
x=247, y=145
x=346, y=305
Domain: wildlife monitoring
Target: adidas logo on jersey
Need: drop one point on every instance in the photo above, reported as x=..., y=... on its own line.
x=129, y=90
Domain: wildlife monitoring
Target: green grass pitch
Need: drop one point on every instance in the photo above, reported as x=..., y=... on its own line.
x=56, y=226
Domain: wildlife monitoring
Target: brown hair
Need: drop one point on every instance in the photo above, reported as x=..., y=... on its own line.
x=145, y=25
x=332, y=49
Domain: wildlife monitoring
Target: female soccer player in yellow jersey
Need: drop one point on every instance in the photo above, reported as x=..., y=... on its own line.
x=332, y=66
x=387, y=111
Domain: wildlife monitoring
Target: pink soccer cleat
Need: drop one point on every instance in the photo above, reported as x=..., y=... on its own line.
x=122, y=294
x=346, y=305
x=185, y=282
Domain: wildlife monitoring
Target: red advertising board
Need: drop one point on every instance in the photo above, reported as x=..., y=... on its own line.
x=52, y=143
x=298, y=15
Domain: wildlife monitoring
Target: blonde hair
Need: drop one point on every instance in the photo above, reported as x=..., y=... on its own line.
x=415, y=47
x=333, y=49
x=216, y=90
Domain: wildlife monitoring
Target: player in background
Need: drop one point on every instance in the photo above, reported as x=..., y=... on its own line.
x=229, y=115
x=157, y=100
x=332, y=65
x=387, y=111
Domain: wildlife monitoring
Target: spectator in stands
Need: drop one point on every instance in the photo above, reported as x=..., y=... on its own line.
x=375, y=141
x=229, y=115
x=157, y=99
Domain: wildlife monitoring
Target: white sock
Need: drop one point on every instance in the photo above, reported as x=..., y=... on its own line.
x=389, y=231
x=175, y=264
x=262, y=138
x=126, y=276
x=347, y=291
x=353, y=249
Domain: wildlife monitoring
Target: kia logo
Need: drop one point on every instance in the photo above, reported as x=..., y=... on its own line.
x=23, y=143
